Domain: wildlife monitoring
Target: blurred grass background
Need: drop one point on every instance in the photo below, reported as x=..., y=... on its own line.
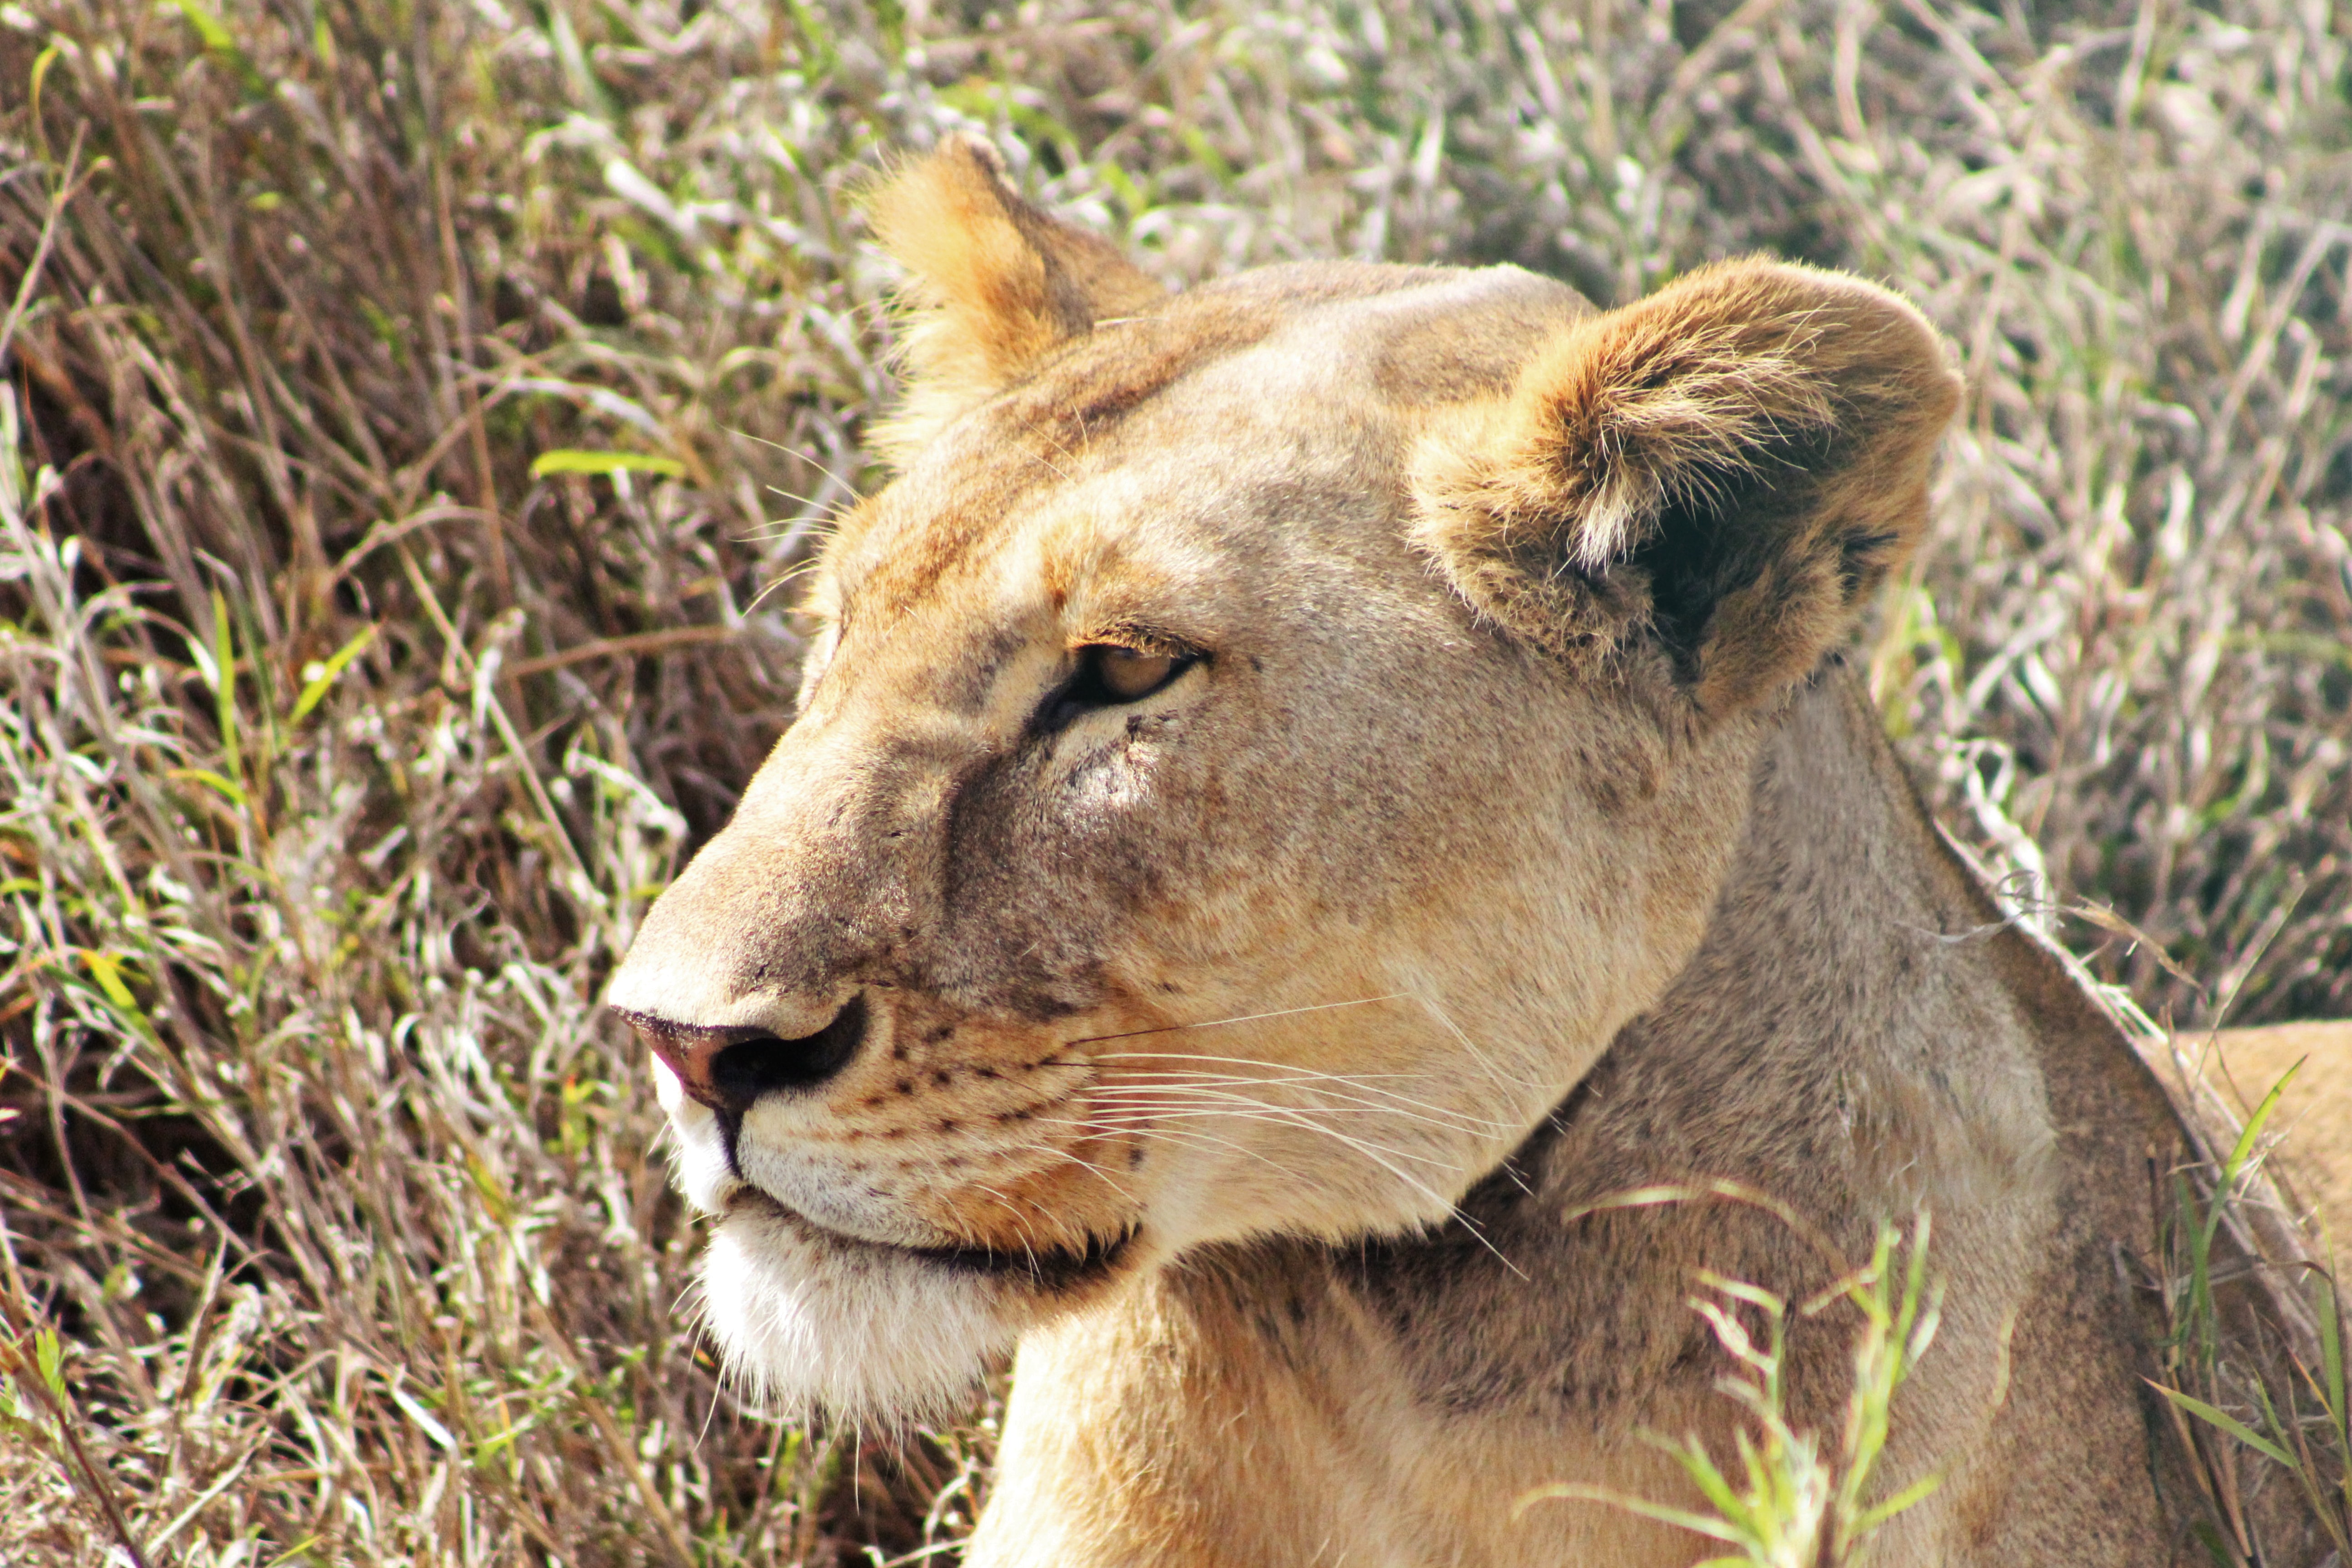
x=348, y=731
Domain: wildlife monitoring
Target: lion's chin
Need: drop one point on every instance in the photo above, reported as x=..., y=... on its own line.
x=811, y=1322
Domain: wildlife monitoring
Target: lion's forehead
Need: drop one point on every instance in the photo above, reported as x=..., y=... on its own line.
x=1170, y=429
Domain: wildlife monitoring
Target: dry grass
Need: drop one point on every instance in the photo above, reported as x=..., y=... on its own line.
x=343, y=752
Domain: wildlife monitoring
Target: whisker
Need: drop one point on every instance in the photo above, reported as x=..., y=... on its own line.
x=1274, y=1115
x=1494, y=1073
x=1250, y=1061
x=1029, y=1238
x=1101, y=1172
x=1179, y=1137
x=1244, y=1018
x=800, y=452
x=1113, y=1180
x=1298, y=1073
x=760, y=597
x=1330, y=1090
x=1148, y=1094
x=792, y=495
x=1378, y=1154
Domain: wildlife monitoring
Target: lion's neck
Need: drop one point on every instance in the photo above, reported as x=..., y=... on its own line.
x=1842, y=1013
x=1839, y=1043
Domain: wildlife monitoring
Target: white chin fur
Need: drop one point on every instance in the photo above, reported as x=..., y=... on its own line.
x=860, y=1333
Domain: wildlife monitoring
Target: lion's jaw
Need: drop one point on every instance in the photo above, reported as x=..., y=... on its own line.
x=1303, y=943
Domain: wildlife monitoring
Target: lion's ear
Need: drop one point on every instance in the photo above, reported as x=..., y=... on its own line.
x=1720, y=475
x=993, y=282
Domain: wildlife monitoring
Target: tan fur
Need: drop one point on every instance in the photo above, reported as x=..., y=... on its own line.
x=1260, y=1055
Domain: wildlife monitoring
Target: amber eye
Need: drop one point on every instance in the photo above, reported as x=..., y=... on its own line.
x=1126, y=675
x=1108, y=676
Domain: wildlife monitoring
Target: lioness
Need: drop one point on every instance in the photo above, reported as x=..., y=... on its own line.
x=1305, y=788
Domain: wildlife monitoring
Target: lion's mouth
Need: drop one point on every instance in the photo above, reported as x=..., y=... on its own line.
x=1050, y=1271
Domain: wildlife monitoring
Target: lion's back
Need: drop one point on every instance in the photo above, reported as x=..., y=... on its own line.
x=2313, y=1114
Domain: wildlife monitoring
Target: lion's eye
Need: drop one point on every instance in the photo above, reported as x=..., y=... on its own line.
x=1125, y=675
x=1108, y=676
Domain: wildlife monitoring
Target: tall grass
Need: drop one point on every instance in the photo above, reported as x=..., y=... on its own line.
x=351, y=723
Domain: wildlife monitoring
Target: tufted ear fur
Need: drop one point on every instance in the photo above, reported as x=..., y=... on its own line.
x=994, y=283
x=1710, y=482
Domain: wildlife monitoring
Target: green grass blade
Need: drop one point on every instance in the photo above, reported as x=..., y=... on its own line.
x=224, y=677
x=1681, y=1518
x=1710, y=1480
x=2225, y=1422
x=315, y=685
x=2243, y=1149
x=1879, y=1513
x=573, y=460
x=2331, y=1350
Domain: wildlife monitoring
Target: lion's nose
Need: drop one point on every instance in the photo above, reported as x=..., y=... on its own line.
x=729, y=1069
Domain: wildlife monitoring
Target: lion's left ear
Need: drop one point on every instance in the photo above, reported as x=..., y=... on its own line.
x=1714, y=479
x=994, y=283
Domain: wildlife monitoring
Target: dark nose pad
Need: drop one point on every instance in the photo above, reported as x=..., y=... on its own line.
x=729, y=1069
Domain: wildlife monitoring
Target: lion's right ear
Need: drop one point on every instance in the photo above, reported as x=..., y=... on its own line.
x=1709, y=483
x=994, y=283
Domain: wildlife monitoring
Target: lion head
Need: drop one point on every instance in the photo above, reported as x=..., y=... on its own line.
x=1258, y=752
